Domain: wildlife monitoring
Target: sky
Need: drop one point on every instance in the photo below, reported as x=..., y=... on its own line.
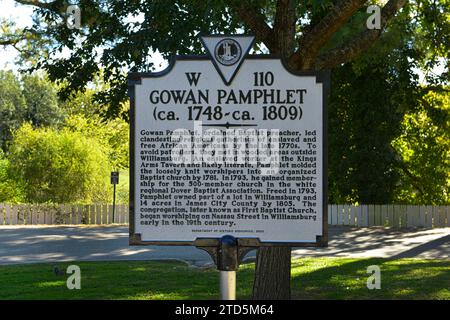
x=21, y=15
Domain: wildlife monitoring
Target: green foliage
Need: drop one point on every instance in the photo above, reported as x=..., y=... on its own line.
x=59, y=166
x=113, y=135
x=82, y=103
x=123, y=35
x=431, y=40
x=41, y=100
x=68, y=165
x=12, y=106
x=10, y=190
x=128, y=33
x=389, y=141
x=385, y=146
x=424, y=147
x=365, y=112
x=31, y=99
x=123, y=188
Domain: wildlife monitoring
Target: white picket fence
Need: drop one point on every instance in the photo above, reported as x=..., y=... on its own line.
x=398, y=216
x=31, y=214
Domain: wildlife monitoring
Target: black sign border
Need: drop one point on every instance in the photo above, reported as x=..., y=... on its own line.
x=322, y=76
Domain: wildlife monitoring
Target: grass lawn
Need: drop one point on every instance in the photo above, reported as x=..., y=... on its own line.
x=312, y=278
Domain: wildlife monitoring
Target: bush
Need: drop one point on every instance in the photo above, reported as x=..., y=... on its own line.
x=59, y=166
x=10, y=190
x=112, y=134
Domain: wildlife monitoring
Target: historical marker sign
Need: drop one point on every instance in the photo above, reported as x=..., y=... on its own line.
x=228, y=144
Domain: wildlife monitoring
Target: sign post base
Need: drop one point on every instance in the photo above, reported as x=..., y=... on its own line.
x=227, y=252
x=227, y=285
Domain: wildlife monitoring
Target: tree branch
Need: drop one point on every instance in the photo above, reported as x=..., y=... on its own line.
x=10, y=41
x=313, y=40
x=284, y=27
x=361, y=42
x=254, y=20
x=36, y=3
x=56, y=6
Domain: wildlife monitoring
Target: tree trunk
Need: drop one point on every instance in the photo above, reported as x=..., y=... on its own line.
x=273, y=274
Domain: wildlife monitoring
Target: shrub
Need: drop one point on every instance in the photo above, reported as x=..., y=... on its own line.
x=59, y=166
x=10, y=190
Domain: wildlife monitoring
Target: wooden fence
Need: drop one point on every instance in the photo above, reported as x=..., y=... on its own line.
x=30, y=214
x=399, y=216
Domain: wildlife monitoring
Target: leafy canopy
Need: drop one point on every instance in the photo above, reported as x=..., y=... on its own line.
x=30, y=98
x=122, y=36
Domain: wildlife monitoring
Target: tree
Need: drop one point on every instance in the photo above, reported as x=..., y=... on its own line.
x=59, y=166
x=12, y=106
x=366, y=110
x=30, y=99
x=424, y=150
x=124, y=35
x=41, y=99
x=310, y=34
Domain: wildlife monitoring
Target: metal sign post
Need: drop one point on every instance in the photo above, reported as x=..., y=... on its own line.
x=114, y=182
x=228, y=285
x=228, y=265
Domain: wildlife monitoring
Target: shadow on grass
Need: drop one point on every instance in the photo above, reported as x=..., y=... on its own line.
x=312, y=278
x=340, y=278
x=118, y=280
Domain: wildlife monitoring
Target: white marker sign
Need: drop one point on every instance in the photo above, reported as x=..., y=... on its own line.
x=228, y=144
